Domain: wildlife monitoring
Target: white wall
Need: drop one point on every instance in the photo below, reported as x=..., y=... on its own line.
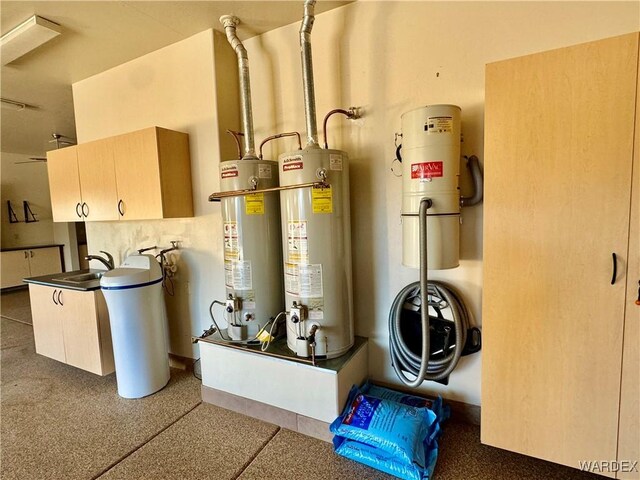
x=25, y=181
x=176, y=87
x=389, y=57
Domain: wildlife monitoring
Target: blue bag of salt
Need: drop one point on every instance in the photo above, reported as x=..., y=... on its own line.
x=436, y=405
x=394, y=428
x=386, y=462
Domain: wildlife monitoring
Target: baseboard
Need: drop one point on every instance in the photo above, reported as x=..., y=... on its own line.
x=181, y=363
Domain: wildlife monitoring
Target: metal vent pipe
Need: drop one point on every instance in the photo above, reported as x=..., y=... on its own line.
x=230, y=22
x=307, y=72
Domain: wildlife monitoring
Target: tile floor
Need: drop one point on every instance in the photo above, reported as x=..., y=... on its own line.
x=58, y=422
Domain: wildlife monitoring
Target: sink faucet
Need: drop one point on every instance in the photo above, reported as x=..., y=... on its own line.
x=107, y=262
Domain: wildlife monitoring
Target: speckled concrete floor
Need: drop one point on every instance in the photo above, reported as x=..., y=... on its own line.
x=15, y=305
x=58, y=422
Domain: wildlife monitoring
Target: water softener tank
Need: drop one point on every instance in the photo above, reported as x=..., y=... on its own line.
x=431, y=168
x=317, y=249
x=251, y=229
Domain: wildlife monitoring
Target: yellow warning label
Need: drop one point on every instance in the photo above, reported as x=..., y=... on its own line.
x=254, y=204
x=322, y=200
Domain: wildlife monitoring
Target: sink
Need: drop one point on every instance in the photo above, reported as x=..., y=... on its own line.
x=83, y=277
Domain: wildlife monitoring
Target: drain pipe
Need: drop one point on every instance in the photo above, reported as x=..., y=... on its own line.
x=229, y=23
x=307, y=73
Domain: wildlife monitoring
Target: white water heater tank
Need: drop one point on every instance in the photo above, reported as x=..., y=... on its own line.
x=316, y=244
x=251, y=233
x=431, y=168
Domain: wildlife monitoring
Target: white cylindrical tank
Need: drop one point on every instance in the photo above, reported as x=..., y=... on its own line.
x=138, y=320
x=316, y=241
x=431, y=168
x=252, y=242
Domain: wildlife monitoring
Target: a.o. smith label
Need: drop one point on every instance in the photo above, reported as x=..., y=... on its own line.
x=228, y=171
x=426, y=170
x=264, y=171
x=292, y=163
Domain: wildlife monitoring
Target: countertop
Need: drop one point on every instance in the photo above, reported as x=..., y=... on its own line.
x=55, y=280
x=30, y=247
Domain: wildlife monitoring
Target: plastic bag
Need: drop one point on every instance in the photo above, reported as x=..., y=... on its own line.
x=387, y=462
x=441, y=411
x=395, y=428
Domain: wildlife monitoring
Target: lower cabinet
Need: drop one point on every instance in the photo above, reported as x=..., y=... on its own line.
x=72, y=326
x=30, y=262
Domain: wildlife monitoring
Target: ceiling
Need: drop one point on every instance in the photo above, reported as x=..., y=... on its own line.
x=98, y=35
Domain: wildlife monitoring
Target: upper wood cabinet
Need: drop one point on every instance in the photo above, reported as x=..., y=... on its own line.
x=64, y=185
x=139, y=175
x=559, y=134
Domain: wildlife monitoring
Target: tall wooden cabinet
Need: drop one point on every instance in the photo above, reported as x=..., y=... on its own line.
x=558, y=323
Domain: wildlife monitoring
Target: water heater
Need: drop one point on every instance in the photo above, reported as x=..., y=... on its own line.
x=316, y=241
x=251, y=235
x=431, y=168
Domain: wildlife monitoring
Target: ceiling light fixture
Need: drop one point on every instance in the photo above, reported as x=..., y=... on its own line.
x=15, y=105
x=27, y=36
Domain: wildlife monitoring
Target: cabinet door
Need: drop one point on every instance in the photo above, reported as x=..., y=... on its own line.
x=629, y=435
x=80, y=330
x=44, y=261
x=98, y=180
x=64, y=185
x=559, y=135
x=138, y=175
x=15, y=267
x=47, y=322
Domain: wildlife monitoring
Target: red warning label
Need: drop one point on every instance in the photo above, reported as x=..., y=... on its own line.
x=426, y=170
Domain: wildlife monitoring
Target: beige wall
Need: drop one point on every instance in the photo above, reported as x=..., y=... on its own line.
x=176, y=87
x=25, y=181
x=389, y=57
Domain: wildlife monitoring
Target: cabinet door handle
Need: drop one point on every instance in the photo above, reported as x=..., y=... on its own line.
x=86, y=214
x=31, y=253
x=60, y=298
x=26, y=255
x=614, y=274
x=120, y=208
x=78, y=211
x=53, y=297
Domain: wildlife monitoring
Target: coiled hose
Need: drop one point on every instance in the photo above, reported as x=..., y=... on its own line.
x=402, y=358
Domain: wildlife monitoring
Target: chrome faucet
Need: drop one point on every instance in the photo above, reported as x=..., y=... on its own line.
x=108, y=262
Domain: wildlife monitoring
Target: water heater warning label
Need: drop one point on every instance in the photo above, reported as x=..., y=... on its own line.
x=297, y=243
x=426, y=170
x=230, y=241
x=254, y=204
x=304, y=281
x=311, y=280
x=237, y=274
x=322, y=200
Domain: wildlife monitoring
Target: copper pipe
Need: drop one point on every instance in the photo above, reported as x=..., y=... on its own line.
x=235, y=137
x=280, y=135
x=215, y=197
x=350, y=114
